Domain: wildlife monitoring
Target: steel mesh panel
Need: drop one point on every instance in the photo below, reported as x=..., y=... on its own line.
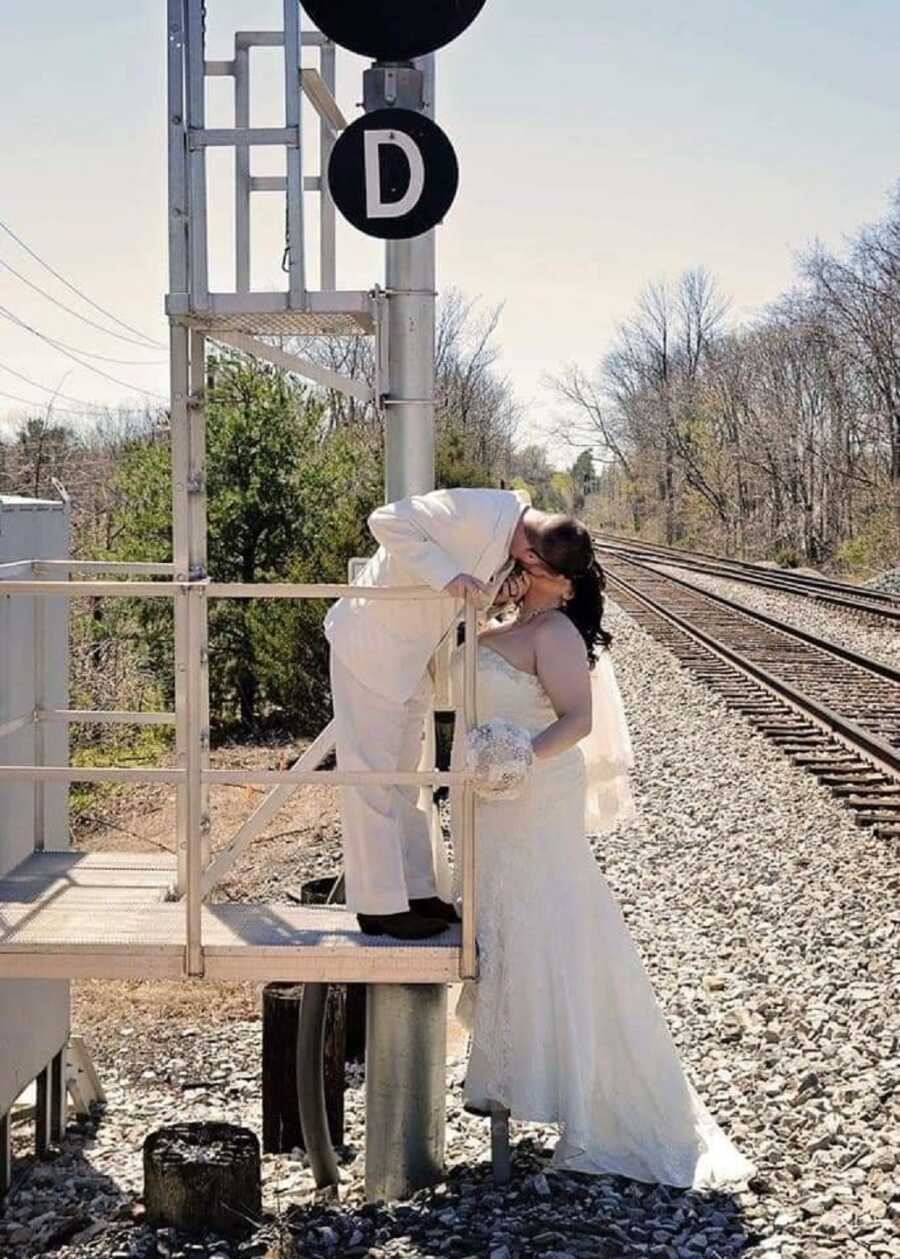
x=285, y=323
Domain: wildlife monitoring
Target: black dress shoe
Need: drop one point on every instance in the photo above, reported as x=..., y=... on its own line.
x=434, y=907
x=406, y=926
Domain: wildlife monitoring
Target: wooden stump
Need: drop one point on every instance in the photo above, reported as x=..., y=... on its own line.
x=281, y=1115
x=200, y=1176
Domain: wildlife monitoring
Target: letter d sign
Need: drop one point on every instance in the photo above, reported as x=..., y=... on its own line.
x=393, y=174
x=375, y=207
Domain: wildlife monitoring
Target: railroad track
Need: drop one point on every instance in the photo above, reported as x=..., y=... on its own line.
x=840, y=594
x=833, y=712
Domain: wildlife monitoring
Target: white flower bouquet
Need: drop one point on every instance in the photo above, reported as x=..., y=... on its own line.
x=499, y=755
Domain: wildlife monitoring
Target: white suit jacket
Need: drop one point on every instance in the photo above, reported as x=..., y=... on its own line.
x=425, y=540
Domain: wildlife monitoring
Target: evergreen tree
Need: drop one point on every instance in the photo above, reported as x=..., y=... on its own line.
x=583, y=479
x=287, y=501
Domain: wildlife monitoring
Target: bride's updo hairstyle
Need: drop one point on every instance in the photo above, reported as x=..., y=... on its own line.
x=564, y=544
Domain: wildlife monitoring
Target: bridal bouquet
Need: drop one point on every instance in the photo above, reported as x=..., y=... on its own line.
x=499, y=755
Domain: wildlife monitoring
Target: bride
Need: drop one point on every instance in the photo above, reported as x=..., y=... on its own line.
x=563, y=1022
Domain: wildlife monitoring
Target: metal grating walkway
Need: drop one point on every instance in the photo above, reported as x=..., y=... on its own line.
x=66, y=915
x=283, y=323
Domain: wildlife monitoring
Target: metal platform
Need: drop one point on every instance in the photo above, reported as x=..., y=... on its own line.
x=268, y=314
x=68, y=915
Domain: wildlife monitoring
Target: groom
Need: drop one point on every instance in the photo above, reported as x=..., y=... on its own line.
x=455, y=541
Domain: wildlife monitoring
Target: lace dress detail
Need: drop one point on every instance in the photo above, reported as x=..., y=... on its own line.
x=564, y=1025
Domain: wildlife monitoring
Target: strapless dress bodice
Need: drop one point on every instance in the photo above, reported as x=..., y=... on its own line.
x=505, y=691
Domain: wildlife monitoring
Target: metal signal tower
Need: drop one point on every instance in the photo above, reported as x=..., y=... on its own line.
x=108, y=915
x=406, y=1064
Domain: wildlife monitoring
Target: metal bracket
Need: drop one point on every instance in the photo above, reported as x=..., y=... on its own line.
x=399, y=86
x=382, y=341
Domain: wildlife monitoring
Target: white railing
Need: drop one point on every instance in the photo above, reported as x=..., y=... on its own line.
x=193, y=777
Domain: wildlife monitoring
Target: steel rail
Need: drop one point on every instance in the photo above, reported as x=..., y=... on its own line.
x=846, y=654
x=870, y=607
x=821, y=590
x=751, y=566
x=855, y=737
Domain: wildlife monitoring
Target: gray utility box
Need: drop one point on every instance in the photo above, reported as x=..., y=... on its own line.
x=34, y=1014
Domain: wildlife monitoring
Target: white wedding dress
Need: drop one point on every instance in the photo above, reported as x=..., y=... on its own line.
x=564, y=1025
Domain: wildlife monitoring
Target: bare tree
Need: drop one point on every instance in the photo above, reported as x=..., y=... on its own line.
x=474, y=400
x=784, y=433
x=642, y=402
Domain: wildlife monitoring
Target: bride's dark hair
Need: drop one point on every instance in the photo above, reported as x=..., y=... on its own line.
x=565, y=545
x=585, y=610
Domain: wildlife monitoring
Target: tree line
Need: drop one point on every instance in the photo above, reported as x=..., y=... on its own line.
x=777, y=438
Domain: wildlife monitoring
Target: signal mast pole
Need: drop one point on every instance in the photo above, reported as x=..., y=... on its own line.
x=410, y=282
x=406, y=1023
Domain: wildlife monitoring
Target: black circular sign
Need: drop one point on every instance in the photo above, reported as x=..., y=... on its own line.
x=393, y=174
x=393, y=30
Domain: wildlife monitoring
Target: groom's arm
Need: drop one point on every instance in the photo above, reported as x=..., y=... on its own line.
x=407, y=529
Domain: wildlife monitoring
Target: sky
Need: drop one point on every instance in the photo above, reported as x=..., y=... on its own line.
x=602, y=144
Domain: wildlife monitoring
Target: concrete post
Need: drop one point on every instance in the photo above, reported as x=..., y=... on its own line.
x=405, y=1088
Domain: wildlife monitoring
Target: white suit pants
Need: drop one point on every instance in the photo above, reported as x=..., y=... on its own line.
x=388, y=856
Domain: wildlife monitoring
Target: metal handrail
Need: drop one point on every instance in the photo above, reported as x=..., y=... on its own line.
x=191, y=776
x=126, y=589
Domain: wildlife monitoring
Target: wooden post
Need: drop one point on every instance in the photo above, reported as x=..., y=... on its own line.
x=203, y=1176
x=282, y=1131
x=354, y=1022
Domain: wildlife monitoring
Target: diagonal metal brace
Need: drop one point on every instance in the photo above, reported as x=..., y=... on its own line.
x=300, y=366
x=275, y=800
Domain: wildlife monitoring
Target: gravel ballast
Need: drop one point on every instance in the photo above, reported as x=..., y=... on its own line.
x=769, y=925
x=888, y=581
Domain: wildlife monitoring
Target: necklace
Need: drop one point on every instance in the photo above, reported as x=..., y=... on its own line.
x=524, y=617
